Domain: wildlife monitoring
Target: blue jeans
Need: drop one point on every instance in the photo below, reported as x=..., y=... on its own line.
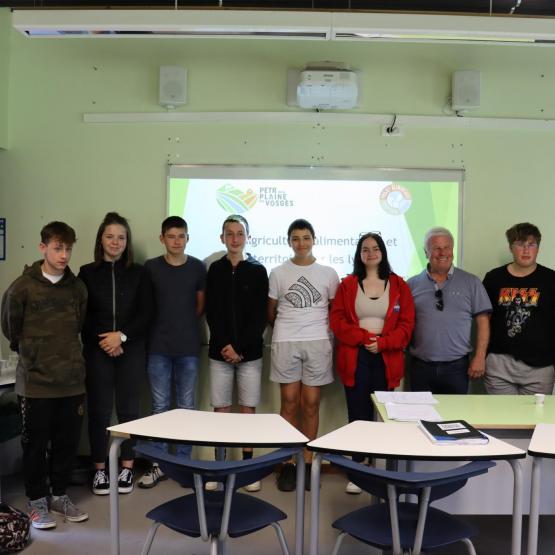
x=439, y=377
x=183, y=369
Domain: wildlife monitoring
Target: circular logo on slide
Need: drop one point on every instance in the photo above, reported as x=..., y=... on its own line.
x=234, y=200
x=395, y=199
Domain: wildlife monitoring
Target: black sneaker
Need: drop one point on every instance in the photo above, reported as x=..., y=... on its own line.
x=125, y=480
x=101, y=482
x=287, y=477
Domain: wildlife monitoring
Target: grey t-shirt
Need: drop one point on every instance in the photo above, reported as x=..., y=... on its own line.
x=444, y=335
x=175, y=326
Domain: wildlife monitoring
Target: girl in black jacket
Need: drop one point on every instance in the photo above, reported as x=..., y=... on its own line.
x=114, y=343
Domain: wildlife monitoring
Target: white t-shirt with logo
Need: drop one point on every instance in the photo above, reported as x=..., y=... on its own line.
x=303, y=294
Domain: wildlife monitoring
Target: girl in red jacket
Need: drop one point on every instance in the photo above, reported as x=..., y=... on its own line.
x=372, y=317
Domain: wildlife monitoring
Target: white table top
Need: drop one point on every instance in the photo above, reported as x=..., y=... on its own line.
x=542, y=443
x=213, y=428
x=403, y=440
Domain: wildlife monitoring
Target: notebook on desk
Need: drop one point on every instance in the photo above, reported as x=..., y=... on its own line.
x=453, y=432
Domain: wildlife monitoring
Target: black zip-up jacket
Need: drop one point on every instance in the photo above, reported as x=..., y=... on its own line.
x=236, y=307
x=120, y=298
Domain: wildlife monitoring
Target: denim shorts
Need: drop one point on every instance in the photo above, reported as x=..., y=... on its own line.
x=222, y=375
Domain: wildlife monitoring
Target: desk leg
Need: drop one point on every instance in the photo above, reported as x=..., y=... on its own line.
x=114, y=498
x=299, y=513
x=314, y=504
x=516, y=540
x=534, y=507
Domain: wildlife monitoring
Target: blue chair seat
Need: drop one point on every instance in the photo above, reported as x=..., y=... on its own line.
x=441, y=528
x=249, y=514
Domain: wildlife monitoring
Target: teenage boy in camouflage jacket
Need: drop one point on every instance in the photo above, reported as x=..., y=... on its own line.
x=42, y=314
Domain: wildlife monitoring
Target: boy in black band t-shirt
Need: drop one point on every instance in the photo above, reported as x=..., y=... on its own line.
x=522, y=293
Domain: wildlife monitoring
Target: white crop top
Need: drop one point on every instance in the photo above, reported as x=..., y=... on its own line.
x=371, y=312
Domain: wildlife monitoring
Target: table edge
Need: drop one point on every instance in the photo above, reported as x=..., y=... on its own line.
x=380, y=455
x=541, y=454
x=208, y=443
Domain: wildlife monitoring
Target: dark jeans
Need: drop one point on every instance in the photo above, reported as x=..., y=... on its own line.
x=439, y=377
x=108, y=377
x=369, y=377
x=56, y=421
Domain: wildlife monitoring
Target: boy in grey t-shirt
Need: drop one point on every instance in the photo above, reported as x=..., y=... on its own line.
x=178, y=282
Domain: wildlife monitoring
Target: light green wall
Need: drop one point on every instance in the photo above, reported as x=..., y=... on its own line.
x=59, y=167
x=4, y=72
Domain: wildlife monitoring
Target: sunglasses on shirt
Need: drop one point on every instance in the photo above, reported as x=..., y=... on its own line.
x=439, y=299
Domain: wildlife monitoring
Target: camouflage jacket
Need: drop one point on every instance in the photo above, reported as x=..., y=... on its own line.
x=42, y=321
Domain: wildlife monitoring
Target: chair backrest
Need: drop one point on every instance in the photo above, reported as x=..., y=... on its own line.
x=378, y=488
x=245, y=471
x=442, y=484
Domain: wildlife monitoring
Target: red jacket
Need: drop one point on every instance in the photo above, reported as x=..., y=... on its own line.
x=395, y=336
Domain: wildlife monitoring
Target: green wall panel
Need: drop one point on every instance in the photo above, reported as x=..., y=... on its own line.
x=58, y=167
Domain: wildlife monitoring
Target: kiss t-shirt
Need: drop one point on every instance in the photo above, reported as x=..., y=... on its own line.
x=523, y=318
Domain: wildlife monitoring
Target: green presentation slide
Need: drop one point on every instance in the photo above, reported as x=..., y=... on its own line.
x=340, y=211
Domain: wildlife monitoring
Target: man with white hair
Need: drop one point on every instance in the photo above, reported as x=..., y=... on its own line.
x=447, y=300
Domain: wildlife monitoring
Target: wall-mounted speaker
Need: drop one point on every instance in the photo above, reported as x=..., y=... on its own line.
x=173, y=86
x=465, y=90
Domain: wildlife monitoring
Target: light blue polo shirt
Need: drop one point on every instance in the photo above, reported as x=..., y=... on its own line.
x=444, y=335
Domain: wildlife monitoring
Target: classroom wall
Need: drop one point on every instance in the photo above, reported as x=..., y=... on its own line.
x=4, y=72
x=58, y=167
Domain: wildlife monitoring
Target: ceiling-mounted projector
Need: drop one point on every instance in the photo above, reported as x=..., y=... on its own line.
x=328, y=89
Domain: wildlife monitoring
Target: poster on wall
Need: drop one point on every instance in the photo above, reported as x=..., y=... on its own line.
x=341, y=204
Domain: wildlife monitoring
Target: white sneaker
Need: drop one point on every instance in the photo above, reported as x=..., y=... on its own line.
x=151, y=477
x=353, y=489
x=211, y=486
x=255, y=486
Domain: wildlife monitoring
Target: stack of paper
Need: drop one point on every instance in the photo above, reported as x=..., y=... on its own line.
x=409, y=406
x=406, y=397
x=411, y=413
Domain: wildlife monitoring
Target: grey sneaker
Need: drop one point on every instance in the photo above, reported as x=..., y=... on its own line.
x=38, y=513
x=64, y=506
x=151, y=477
